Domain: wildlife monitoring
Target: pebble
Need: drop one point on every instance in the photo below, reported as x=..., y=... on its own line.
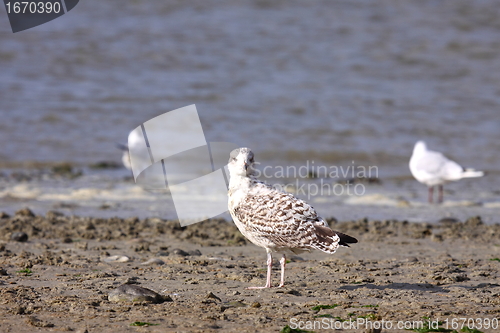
x=153, y=261
x=236, y=304
x=255, y=305
x=4, y=215
x=53, y=214
x=162, y=253
x=116, y=258
x=212, y=295
x=450, y=220
x=82, y=245
x=180, y=252
x=19, y=236
x=195, y=253
x=134, y=293
x=25, y=212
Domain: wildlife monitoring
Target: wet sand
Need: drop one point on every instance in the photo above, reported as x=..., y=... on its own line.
x=61, y=277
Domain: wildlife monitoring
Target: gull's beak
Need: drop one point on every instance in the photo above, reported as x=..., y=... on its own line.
x=246, y=166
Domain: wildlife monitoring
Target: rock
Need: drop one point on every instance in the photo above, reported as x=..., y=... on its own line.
x=25, y=212
x=236, y=304
x=105, y=165
x=162, y=253
x=83, y=330
x=180, y=252
x=255, y=305
x=19, y=236
x=132, y=280
x=67, y=240
x=213, y=296
x=53, y=214
x=195, y=253
x=116, y=258
x=3, y=272
x=293, y=292
x=153, y=261
x=373, y=330
x=82, y=245
x=134, y=293
x=38, y=323
x=4, y=215
x=474, y=221
x=449, y=220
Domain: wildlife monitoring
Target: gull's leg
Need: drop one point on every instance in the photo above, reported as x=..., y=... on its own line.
x=283, y=264
x=440, y=198
x=269, y=266
x=431, y=191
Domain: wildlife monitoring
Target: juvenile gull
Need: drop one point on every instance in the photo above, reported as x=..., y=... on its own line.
x=275, y=220
x=432, y=168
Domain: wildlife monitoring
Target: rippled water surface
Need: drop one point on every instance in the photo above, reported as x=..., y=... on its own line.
x=294, y=80
x=338, y=82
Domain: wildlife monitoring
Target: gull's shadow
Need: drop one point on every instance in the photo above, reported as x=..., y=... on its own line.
x=398, y=286
x=416, y=286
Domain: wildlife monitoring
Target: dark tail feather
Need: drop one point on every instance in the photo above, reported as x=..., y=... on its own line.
x=345, y=240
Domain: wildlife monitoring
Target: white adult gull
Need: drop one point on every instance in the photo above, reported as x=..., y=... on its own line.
x=273, y=219
x=433, y=168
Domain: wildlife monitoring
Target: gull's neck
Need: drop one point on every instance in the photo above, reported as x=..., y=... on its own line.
x=240, y=182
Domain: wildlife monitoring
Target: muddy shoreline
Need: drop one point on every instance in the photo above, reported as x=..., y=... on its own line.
x=59, y=279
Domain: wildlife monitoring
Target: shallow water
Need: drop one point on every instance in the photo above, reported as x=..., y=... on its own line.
x=330, y=82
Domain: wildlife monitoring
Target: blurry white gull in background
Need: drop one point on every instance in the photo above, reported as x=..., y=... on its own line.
x=433, y=168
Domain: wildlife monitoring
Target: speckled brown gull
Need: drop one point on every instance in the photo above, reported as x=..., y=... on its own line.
x=275, y=220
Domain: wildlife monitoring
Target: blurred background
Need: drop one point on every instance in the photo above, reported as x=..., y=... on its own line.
x=337, y=82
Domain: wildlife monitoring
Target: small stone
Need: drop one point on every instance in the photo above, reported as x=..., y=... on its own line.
x=236, y=304
x=153, y=261
x=449, y=220
x=4, y=215
x=25, y=212
x=83, y=330
x=3, y=272
x=53, y=214
x=19, y=236
x=162, y=253
x=82, y=245
x=195, y=253
x=373, y=330
x=180, y=252
x=474, y=221
x=255, y=305
x=117, y=258
x=132, y=280
x=134, y=293
x=33, y=321
x=213, y=296
x=67, y=240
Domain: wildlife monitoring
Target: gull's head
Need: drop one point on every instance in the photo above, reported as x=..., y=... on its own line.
x=241, y=162
x=420, y=147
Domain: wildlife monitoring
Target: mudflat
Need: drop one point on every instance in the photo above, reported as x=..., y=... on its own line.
x=399, y=276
